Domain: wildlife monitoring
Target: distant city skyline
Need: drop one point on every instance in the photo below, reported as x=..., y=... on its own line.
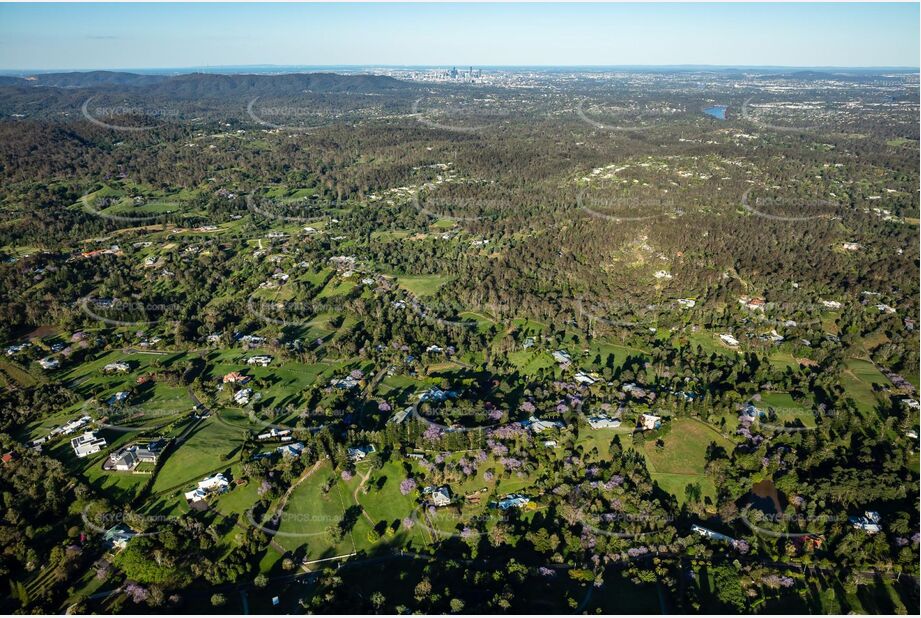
x=35, y=37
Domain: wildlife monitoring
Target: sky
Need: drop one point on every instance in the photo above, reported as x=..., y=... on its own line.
x=124, y=36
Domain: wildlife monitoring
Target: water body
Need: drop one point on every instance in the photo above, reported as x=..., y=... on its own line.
x=717, y=111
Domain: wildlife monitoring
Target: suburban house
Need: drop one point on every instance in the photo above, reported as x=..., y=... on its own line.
x=831, y=304
x=511, y=501
x=49, y=363
x=562, y=357
x=650, y=421
x=346, y=383
x=360, y=452
x=130, y=457
x=72, y=426
x=687, y=303
x=242, y=396
x=215, y=484
x=117, y=367
x=235, y=377
x=434, y=349
x=436, y=394
x=868, y=522
x=291, y=450
x=399, y=417
x=117, y=536
x=583, y=378
x=118, y=397
x=275, y=434
x=603, y=422
x=729, y=340
x=87, y=444
x=262, y=361
x=754, y=304
x=440, y=496
x=538, y=426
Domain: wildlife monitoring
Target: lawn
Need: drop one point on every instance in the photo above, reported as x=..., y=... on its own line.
x=683, y=459
x=310, y=511
x=858, y=379
x=787, y=408
x=206, y=449
x=531, y=361
x=422, y=285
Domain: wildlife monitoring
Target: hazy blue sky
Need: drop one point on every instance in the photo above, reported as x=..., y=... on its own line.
x=65, y=36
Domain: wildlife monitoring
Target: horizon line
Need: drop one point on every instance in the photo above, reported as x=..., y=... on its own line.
x=476, y=66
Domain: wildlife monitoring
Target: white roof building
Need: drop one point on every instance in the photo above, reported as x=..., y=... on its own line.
x=87, y=444
x=603, y=422
x=513, y=501
x=49, y=363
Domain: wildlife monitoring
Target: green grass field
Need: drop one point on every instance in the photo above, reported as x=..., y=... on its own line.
x=858, y=379
x=310, y=511
x=206, y=449
x=683, y=459
x=422, y=285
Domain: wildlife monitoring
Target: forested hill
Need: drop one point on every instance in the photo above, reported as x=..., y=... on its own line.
x=209, y=84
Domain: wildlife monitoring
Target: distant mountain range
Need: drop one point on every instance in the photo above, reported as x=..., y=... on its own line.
x=213, y=84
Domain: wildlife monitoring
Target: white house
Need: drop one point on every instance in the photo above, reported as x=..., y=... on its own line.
x=360, y=452
x=87, y=444
x=291, y=450
x=49, y=363
x=583, y=378
x=539, y=426
x=400, y=416
x=440, y=496
x=262, y=361
x=117, y=367
x=242, y=396
x=217, y=483
x=513, y=501
x=650, y=421
x=117, y=537
x=868, y=522
x=603, y=422
x=562, y=357
x=729, y=340
x=274, y=433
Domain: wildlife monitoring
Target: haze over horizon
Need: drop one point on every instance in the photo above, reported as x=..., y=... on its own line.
x=41, y=37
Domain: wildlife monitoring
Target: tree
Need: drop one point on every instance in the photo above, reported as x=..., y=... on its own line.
x=218, y=599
